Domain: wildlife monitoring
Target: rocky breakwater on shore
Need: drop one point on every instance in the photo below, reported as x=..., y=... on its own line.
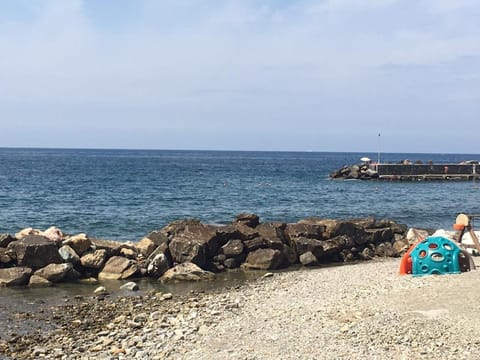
x=190, y=250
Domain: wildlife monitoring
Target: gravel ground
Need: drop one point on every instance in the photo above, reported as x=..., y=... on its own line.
x=355, y=311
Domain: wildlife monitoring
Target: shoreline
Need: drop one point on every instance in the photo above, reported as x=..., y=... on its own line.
x=358, y=311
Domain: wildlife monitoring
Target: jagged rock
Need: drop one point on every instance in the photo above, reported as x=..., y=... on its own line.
x=290, y=255
x=94, y=260
x=303, y=245
x=308, y=259
x=118, y=267
x=367, y=254
x=304, y=230
x=233, y=248
x=146, y=246
x=186, y=272
x=337, y=244
x=111, y=247
x=174, y=228
x=6, y=239
x=54, y=234
x=15, y=276
x=264, y=259
x=69, y=255
x=196, y=244
x=55, y=272
x=128, y=252
x=25, y=232
x=158, y=237
x=236, y=231
x=80, y=243
x=35, y=251
x=250, y=220
x=38, y=281
x=231, y=263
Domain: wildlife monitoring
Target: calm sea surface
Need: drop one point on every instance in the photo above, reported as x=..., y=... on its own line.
x=124, y=194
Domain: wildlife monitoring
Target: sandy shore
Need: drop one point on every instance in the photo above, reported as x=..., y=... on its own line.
x=356, y=311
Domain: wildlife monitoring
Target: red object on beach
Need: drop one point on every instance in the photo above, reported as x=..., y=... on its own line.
x=458, y=227
x=406, y=262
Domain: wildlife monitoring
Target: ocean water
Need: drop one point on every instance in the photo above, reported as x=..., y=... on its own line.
x=125, y=194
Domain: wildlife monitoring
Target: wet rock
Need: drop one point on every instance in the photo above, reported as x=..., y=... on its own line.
x=186, y=272
x=94, y=260
x=308, y=259
x=118, y=267
x=15, y=276
x=35, y=251
x=55, y=272
x=80, y=243
x=264, y=259
x=101, y=290
x=130, y=286
x=158, y=265
x=39, y=281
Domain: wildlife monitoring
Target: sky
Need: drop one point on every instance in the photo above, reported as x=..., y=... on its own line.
x=296, y=75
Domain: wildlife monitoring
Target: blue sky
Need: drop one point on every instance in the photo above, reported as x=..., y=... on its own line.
x=242, y=75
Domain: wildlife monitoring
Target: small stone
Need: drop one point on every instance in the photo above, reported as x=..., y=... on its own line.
x=167, y=296
x=268, y=274
x=130, y=286
x=101, y=290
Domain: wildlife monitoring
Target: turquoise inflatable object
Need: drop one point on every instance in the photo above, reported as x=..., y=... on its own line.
x=435, y=255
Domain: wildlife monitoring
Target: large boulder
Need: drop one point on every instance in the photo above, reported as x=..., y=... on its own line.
x=94, y=260
x=56, y=272
x=304, y=245
x=117, y=268
x=54, y=234
x=197, y=243
x=15, y=276
x=146, y=246
x=28, y=231
x=233, y=248
x=6, y=259
x=80, y=243
x=265, y=259
x=308, y=259
x=111, y=247
x=35, y=251
x=69, y=255
x=158, y=264
x=158, y=237
x=337, y=244
x=305, y=230
x=186, y=272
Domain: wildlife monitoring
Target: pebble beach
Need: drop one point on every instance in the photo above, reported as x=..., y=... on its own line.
x=354, y=311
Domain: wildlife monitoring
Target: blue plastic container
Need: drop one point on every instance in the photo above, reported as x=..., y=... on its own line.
x=435, y=255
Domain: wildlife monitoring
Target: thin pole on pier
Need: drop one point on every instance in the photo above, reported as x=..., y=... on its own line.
x=378, y=154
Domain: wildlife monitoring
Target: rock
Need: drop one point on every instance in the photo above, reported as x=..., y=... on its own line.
x=290, y=255
x=415, y=235
x=101, y=290
x=111, y=247
x=196, y=244
x=400, y=246
x=385, y=250
x=130, y=286
x=264, y=259
x=158, y=265
x=186, y=272
x=118, y=267
x=367, y=254
x=35, y=251
x=80, y=243
x=25, y=232
x=250, y=220
x=54, y=234
x=69, y=255
x=6, y=239
x=158, y=237
x=308, y=259
x=303, y=245
x=38, y=281
x=55, y=272
x=15, y=276
x=94, y=260
x=6, y=259
x=337, y=244
x=232, y=248
x=305, y=230
x=128, y=253
x=146, y=246
x=231, y=263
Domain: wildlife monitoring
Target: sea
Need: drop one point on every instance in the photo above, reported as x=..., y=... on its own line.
x=125, y=194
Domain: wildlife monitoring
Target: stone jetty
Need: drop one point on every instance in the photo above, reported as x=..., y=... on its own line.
x=190, y=250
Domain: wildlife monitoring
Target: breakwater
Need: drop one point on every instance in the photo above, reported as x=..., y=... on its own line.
x=190, y=250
